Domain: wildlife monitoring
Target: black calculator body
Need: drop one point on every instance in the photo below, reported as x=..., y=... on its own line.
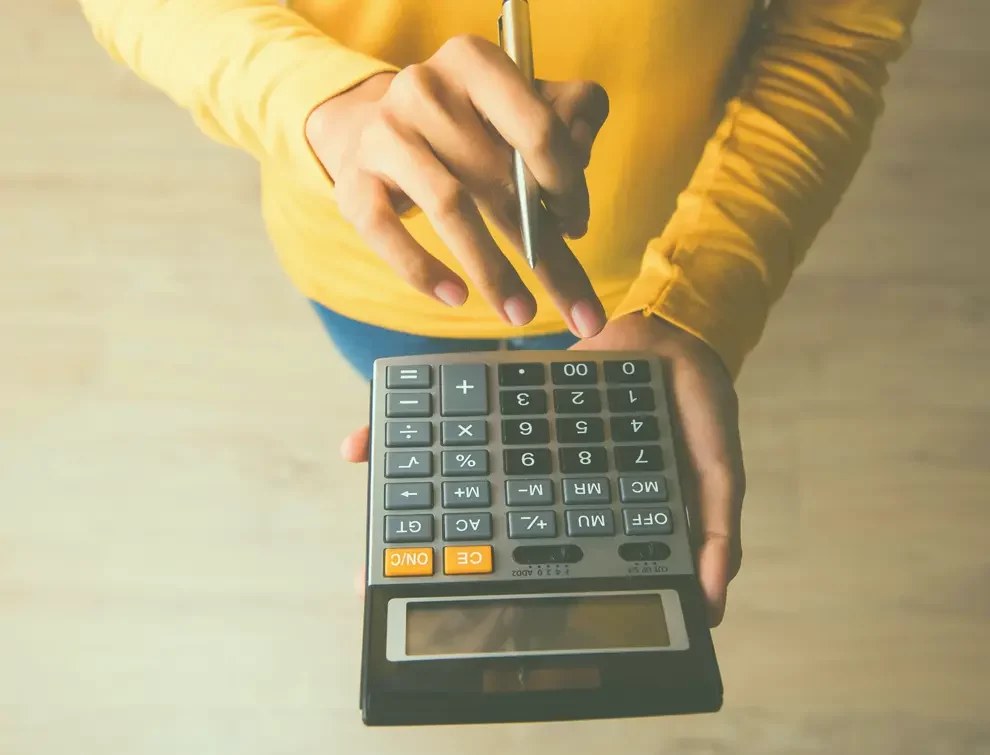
x=528, y=551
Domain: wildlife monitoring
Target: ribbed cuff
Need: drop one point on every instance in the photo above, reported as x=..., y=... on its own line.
x=713, y=295
x=317, y=80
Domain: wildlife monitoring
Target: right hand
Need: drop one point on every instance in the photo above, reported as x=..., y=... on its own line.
x=439, y=136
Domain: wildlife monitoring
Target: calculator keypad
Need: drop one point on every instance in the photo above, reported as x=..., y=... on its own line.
x=463, y=432
x=529, y=401
x=521, y=431
x=538, y=465
x=527, y=461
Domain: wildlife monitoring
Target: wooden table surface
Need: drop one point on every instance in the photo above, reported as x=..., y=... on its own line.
x=177, y=534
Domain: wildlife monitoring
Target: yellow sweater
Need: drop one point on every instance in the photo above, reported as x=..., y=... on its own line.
x=706, y=189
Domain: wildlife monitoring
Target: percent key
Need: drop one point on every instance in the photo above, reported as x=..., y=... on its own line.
x=464, y=463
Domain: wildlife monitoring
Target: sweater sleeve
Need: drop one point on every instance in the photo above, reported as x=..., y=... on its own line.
x=773, y=173
x=249, y=72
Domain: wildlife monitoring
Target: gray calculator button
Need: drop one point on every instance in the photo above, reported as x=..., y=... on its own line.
x=408, y=464
x=464, y=463
x=647, y=521
x=407, y=376
x=398, y=434
x=409, y=495
x=583, y=523
x=467, y=526
x=408, y=405
x=651, y=489
x=528, y=492
x=465, y=495
x=523, y=524
x=587, y=490
x=409, y=528
x=463, y=390
x=468, y=432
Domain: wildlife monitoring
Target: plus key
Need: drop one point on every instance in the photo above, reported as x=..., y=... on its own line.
x=463, y=390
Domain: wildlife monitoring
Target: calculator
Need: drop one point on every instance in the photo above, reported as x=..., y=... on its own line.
x=528, y=543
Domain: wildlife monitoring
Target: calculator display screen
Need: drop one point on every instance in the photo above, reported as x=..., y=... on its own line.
x=557, y=624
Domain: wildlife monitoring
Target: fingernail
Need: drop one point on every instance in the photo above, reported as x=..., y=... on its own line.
x=588, y=318
x=519, y=310
x=450, y=293
x=576, y=230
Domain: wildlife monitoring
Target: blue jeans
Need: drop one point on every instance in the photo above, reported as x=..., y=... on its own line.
x=361, y=344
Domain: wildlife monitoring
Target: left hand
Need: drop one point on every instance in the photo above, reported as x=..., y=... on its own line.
x=707, y=406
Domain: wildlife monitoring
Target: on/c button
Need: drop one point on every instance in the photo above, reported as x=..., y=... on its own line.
x=408, y=562
x=467, y=559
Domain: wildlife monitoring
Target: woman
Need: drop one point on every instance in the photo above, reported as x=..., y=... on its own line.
x=384, y=129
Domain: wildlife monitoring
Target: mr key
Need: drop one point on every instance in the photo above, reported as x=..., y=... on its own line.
x=531, y=485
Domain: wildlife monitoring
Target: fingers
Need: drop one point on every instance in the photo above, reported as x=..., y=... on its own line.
x=360, y=578
x=568, y=285
x=501, y=93
x=583, y=106
x=720, y=554
x=407, y=160
x=355, y=446
x=484, y=168
x=709, y=412
x=368, y=206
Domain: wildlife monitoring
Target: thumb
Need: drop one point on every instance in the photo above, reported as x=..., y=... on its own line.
x=355, y=446
x=583, y=107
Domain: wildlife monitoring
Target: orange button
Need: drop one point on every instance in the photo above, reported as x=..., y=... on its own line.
x=408, y=562
x=467, y=559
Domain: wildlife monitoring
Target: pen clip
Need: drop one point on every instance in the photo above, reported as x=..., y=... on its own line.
x=501, y=37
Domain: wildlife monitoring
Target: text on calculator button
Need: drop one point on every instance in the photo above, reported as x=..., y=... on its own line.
x=587, y=523
x=524, y=373
x=408, y=562
x=408, y=376
x=575, y=459
x=409, y=495
x=586, y=490
x=464, y=463
x=531, y=401
x=528, y=492
x=639, y=521
x=408, y=405
x=468, y=432
x=577, y=401
x=523, y=524
x=408, y=464
x=642, y=489
x=518, y=431
x=467, y=526
x=467, y=559
x=466, y=494
x=647, y=458
x=572, y=373
x=583, y=430
x=399, y=434
x=547, y=554
x=527, y=461
x=463, y=390
x=635, y=427
x=631, y=371
x=639, y=399
x=408, y=528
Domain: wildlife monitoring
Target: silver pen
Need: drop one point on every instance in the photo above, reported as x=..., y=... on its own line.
x=515, y=38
